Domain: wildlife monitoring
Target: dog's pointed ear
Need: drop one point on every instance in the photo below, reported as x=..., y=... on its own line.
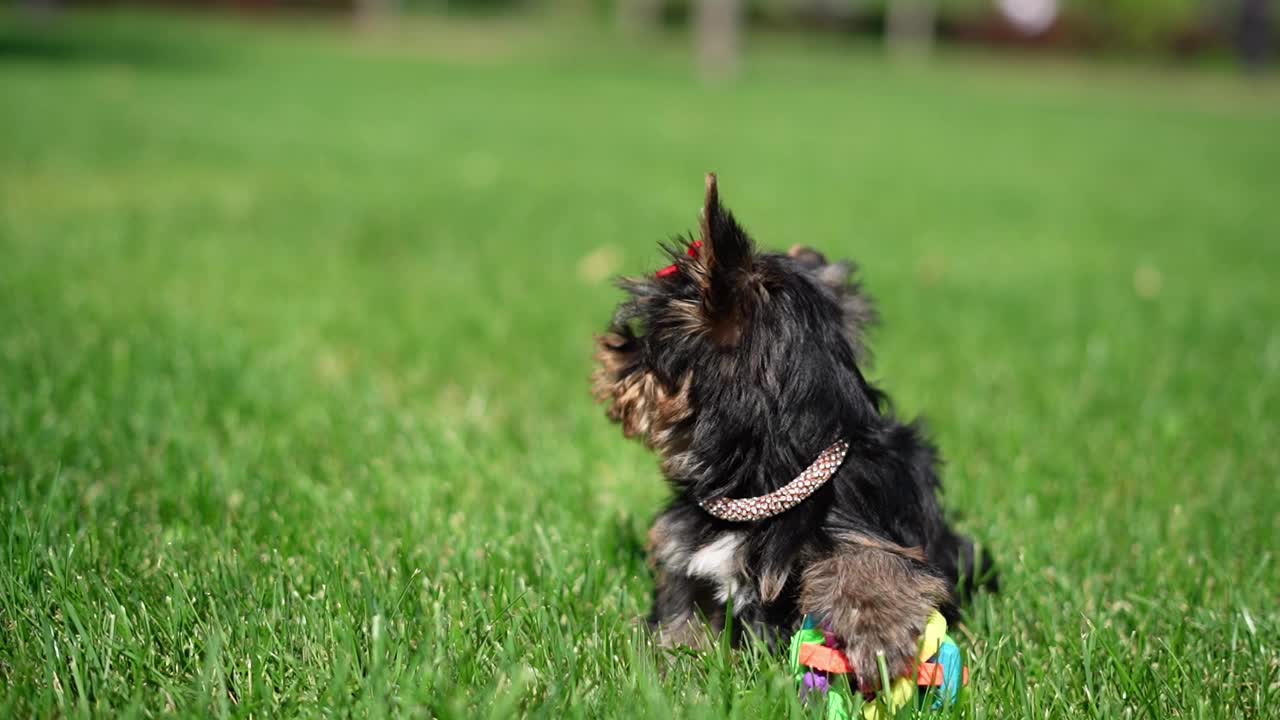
x=726, y=255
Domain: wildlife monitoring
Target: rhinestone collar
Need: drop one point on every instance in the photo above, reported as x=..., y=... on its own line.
x=785, y=497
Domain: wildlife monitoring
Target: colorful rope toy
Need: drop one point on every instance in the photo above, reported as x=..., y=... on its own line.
x=820, y=666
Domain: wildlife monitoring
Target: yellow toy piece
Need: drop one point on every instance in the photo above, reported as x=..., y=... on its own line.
x=903, y=690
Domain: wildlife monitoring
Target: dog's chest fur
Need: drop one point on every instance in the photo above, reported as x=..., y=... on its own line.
x=716, y=560
x=720, y=562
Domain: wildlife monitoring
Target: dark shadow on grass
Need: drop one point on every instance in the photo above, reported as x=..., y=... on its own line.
x=624, y=541
x=55, y=39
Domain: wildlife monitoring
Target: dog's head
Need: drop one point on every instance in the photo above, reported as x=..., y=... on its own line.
x=729, y=346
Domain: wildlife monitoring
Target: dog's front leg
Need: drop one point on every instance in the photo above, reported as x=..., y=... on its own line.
x=683, y=604
x=876, y=597
x=685, y=610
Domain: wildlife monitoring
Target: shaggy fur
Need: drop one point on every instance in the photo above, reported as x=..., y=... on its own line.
x=738, y=369
x=873, y=591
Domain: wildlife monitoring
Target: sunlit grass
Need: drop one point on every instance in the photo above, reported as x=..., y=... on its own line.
x=295, y=330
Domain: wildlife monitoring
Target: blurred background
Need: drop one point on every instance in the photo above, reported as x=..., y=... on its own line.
x=1182, y=30
x=297, y=303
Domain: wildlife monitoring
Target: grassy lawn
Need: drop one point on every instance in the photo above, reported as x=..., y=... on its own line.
x=295, y=328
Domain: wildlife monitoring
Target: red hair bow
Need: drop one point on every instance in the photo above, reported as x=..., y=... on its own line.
x=672, y=269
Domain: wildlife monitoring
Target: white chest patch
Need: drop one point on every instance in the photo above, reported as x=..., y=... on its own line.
x=719, y=562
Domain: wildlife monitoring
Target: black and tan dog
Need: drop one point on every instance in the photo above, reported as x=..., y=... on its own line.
x=795, y=489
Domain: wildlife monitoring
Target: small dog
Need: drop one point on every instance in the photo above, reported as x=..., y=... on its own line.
x=795, y=490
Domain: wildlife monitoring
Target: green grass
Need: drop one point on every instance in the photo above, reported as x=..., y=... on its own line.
x=295, y=328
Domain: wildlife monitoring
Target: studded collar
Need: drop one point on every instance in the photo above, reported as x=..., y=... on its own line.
x=785, y=497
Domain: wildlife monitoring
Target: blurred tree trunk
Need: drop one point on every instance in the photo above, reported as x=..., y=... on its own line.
x=636, y=17
x=376, y=12
x=1253, y=33
x=41, y=8
x=572, y=11
x=910, y=26
x=718, y=32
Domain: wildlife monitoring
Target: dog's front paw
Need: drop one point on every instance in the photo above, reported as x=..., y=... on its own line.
x=895, y=636
x=685, y=632
x=875, y=599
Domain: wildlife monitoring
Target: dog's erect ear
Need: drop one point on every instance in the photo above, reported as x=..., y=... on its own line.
x=726, y=258
x=725, y=246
